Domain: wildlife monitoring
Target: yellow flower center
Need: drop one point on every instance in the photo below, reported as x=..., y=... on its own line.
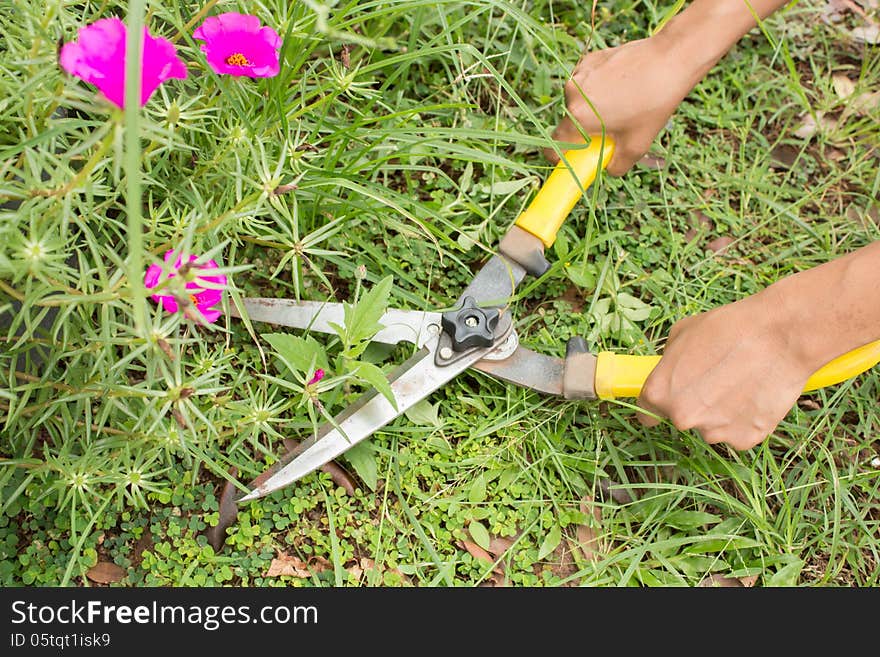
x=237, y=59
x=192, y=297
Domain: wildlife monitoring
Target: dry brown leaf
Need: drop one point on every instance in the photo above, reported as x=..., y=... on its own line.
x=562, y=562
x=749, y=581
x=105, y=572
x=498, y=545
x=783, y=156
x=810, y=125
x=834, y=10
x=719, y=244
x=285, y=564
x=588, y=535
x=843, y=86
x=144, y=543
x=867, y=33
x=808, y=404
x=337, y=473
x=476, y=551
x=228, y=513
x=697, y=222
x=651, y=161
x=865, y=103
x=719, y=581
x=610, y=489
x=863, y=216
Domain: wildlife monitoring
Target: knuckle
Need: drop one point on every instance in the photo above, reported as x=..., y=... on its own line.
x=682, y=419
x=652, y=393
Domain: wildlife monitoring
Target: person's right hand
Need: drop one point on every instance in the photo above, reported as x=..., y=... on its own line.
x=633, y=89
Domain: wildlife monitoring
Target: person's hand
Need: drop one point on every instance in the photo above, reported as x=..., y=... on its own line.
x=633, y=89
x=732, y=373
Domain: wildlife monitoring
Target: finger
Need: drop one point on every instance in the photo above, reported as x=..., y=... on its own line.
x=646, y=420
x=622, y=162
x=565, y=132
x=649, y=416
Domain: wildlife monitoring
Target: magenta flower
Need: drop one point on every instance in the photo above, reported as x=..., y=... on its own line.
x=201, y=290
x=98, y=57
x=235, y=44
x=319, y=374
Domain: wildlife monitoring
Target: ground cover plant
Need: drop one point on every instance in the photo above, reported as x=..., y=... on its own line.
x=380, y=165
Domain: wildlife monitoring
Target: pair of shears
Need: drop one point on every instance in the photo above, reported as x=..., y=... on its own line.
x=479, y=333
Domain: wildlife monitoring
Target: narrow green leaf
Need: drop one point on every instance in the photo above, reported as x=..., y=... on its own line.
x=363, y=459
x=425, y=414
x=362, y=318
x=479, y=533
x=691, y=519
x=477, y=492
x=301, y=353
x=554, y=536
x=371, y=374
x=787, y=575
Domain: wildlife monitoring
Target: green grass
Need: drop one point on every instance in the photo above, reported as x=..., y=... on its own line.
x=119, y=433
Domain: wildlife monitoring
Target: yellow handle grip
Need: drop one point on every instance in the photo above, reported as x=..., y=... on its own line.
x=561, y=191
x=622, y=375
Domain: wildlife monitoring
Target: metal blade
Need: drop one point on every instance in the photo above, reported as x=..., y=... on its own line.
x=527, y=368
x=414, y=326
x=411, y=382
x=495, y=283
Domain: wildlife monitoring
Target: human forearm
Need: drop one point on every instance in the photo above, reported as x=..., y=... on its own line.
x=630, y=91
x=703, y=33
x=832, y=308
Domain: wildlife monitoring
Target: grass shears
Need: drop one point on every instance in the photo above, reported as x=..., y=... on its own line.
x=479, y=332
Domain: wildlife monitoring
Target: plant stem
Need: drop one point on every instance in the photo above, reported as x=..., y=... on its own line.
x=133, y=52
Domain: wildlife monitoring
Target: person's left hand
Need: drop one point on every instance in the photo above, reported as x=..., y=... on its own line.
x=732, y=373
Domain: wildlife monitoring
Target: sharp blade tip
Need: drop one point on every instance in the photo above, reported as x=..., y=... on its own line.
x=253, y=495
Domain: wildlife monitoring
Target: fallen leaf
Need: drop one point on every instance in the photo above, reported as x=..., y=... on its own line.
x=749, y=581
x=863, y=216
x=610, y=489
x=867, y=33
x=588, y=535
x=498, y=576
x=697, y=222
x=808, y=404
x=498, y=545
x=834, y=10
x=228, y=513
x=833, y=154
x=810, y=125
x=337, y=473
x=783, y=156
x=144, y=543
x=287, y=565
x=562, y=562
x=476, y=551
x=720, y=581
x=865, y=103
x=719, y=244
x=843, y=86
x=651, y=161
x=105, y=572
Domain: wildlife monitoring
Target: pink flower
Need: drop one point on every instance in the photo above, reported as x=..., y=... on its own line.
x=319, y=374
x=98, y=57
x=235, y=44
x=199, y=295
